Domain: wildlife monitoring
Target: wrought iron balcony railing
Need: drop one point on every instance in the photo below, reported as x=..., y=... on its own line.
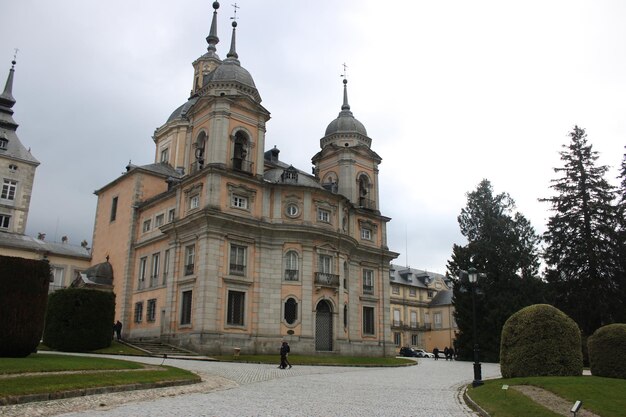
x=291, y=274
x=241, y=165
x=326, y=279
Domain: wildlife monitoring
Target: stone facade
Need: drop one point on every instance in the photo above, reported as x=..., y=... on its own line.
x=220, y=244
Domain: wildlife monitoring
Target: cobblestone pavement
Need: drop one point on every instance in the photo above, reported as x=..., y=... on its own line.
x=430, y=389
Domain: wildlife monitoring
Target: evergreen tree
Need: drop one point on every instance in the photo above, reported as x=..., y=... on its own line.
x=503, y=245
x=620, y=308
x=582, y=241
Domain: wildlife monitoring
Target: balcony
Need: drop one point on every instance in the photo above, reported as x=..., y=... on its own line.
x=368, y=289
x=242, y=165
x=291, y=274
x=396, y=324
x=188, y=269
x=367, y=203
x=327, y=280
x=237, y=269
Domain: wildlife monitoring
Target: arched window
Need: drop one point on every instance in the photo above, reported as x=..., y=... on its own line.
x=345, y=316
x=364, y=190
x=290, y=313
x=199, y=151
x=240, y=152
x=291, y=266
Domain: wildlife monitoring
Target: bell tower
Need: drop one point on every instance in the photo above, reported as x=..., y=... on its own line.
x=346, y=164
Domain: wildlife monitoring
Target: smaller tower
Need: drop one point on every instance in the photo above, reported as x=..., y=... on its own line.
x=17, y=166
x=346, y=162
x=209, y=61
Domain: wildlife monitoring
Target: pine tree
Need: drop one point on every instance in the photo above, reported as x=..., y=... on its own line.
x=581, y=237
x=620, y=308
x=503, y=245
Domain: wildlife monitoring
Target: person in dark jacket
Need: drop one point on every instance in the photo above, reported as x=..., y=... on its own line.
x=436, y=353
x=284, y=352
x=118, y=330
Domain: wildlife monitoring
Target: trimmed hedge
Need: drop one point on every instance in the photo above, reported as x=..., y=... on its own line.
x=540, y=340
x=23, y=296
x=79, y=319
x=607, y=351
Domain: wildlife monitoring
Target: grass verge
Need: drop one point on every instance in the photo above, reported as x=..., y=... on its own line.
x=116, y=348
x=317, y=360
x=603, y=396
x=93, y=373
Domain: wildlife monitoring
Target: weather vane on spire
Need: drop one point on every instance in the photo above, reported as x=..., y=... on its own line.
x=344, y=75
x=235, y=7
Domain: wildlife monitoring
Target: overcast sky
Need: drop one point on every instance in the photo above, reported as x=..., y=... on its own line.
x=450, y=92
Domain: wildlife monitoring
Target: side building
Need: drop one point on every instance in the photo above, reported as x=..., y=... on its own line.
x=221, y=244
x=422, y=314
x=17, y=176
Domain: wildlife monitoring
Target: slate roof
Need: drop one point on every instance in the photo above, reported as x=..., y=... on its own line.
x=18, y=241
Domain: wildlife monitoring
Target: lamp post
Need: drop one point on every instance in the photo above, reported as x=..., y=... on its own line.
x=473, y=278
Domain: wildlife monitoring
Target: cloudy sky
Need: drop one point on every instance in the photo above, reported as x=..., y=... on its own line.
x=450, y=92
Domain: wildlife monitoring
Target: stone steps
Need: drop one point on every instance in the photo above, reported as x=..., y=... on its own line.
x=157, y=348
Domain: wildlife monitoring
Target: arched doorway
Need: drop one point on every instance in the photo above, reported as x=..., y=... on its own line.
x=324, y=326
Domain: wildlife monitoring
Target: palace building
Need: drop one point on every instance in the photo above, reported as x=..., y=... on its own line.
x=220, y=243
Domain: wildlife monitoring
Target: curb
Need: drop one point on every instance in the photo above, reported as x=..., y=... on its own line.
x=49, y=396
x=473, y=405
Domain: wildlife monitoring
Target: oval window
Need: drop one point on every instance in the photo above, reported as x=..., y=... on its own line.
x=292, y=210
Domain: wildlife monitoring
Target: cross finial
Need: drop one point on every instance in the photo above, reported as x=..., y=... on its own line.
x=344, y=75
x=15, y=57
x=235, y=7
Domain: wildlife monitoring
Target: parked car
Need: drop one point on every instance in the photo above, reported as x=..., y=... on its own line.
x=408, y=351
x=421, y=353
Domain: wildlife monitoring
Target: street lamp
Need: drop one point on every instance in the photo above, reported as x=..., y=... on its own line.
x=473, y=278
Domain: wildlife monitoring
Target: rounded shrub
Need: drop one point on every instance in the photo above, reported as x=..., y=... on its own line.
x=23, y=296
x=79, y=319
x=607, y=351
x=540, y=340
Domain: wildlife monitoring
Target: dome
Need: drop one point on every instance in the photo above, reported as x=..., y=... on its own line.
x=182, y=110
x=345, y=123
x=230, y=70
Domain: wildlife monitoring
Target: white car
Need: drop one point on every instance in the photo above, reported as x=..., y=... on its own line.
x=421, y=353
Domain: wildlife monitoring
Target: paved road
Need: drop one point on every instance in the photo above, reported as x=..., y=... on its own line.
x=430, y=389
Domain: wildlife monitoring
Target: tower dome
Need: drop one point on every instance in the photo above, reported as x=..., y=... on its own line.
x=345, y=121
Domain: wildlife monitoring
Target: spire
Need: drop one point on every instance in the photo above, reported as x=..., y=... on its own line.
x=345, y=105
x=233, y=53
x=212, y=39
x=6, y=99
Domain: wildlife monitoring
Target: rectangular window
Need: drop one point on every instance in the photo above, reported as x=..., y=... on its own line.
x=237, y=260
x=190, y=255
x=414, y=319
x=166, y=265
x=3, y=144
x=291, y=266
x=151, y=310
x=366, y=234
x=8, y=190
x=368, y=281
x=154, y=275
x=326, y=264
x=437, y=320
x=5, y=219
x=235, y=308
x=397, y=339
x=240, y=202
x=185, y=308
x=395, y=289
x=158, y=220
x=396, y=318
x=113, y=209
x=138, y=312
x=431, y=293
x=194, y=201
x=142, y=271
x=412, y=292
x=171, y=215
x=323, y=215
x=414, y=340
x=368, y=320
x=165, y=156
x=146, y=225
x=57, y=274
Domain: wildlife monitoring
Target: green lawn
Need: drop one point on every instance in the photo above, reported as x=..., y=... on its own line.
x=318, y=360
x=98, y=372
x=603, y=396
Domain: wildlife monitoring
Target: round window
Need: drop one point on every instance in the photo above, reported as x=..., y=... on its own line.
x=292, y=210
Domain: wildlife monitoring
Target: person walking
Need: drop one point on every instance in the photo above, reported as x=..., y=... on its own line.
x=288, y=349
x=436, y=352
x=446, y=352
x=284, y=350
x=451, y=353
x=118, y=330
